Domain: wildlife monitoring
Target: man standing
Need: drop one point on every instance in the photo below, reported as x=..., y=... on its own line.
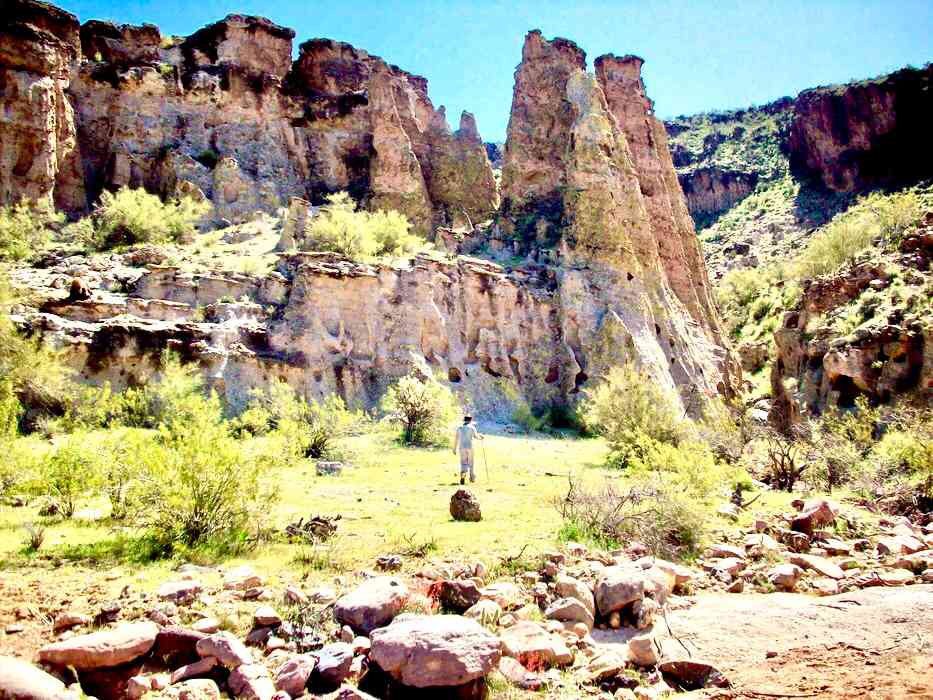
x=464, y=441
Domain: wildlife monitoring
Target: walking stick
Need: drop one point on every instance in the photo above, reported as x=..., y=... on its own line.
x=485, y=461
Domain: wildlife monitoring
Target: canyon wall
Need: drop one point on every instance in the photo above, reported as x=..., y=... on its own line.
x=866, y=134
x=225, y=112
x=610, y=270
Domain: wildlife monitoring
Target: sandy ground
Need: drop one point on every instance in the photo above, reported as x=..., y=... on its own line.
x=874, y=643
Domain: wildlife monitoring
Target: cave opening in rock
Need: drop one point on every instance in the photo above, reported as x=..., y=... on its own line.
x=846, y=389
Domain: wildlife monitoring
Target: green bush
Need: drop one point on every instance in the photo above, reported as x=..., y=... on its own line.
x=26, y=228
x=526, y=419
x=425, y=409
x=339, y=228
x=132, y=216
x=633, y=413
x=70, y=472
x=196, y=483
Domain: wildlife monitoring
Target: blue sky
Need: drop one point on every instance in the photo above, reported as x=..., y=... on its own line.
x=700, y=54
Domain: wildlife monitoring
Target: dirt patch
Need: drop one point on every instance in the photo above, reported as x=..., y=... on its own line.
x=875, y=643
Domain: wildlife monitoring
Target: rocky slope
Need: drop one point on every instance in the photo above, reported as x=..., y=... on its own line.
x=608, y=266
x=759, y=181
x=225, y=112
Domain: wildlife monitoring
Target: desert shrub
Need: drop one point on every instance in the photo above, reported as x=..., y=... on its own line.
x=787, y=459
x=339, y=228
x=134, y=216
x=524, y=417
x=71, y=471
x=690, y=467
x=632, y=412
x=35, y=536
x=895, y=213
x=196, y=484
x=26, y=228
x=424, y=408
x=668, y=522
x=844, y=439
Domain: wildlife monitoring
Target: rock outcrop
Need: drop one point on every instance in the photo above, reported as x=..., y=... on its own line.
x=852, y=137
x=710, y=191
x=225, y=112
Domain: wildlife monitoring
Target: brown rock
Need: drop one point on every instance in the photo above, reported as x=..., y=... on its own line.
x=822, y=566
x=534, y=647
x=293, y=675
x=465, y=506
x=518, y=675
x=815, y=514
x=435, y=650
x=618, y=587
x=251, y=682
x=228, y=650
x=103, y=649
x=20, y=680
x=459, y=595
x=372, y=604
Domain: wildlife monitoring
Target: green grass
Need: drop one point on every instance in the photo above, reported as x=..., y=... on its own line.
x=394, y=499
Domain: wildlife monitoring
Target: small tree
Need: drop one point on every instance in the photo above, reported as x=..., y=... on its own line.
x=631, y=411
x=70, y=471
x=424, y=408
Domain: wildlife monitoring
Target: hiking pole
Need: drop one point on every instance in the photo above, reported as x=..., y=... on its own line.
x=485, y=461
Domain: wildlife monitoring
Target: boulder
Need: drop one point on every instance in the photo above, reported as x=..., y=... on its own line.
x=293, y=675
x=895, y=577
x=568, y=587
x=505, y=593
x=617, y=587
x=822, y=566
x=435, y=650
x=486, y=612
x=266, y=616
x=20, y=680
x=785, y=576
x=372, y=604
x=199, y=689
x=333, y=664
x=569, y=610
x=534, y=647
x=726, y=551
x=228, y=650
x=465, y=506
x=194, y=670
x=816, y=513
x=459, y=594
x=177, y=645
x=606, y=664
x=67, y=620
x=899, y=544
x=251, y=682
x=642, y=650
x=104, y=649
x=692, y=675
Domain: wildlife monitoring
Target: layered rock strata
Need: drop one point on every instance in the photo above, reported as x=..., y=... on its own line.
x=226, y=112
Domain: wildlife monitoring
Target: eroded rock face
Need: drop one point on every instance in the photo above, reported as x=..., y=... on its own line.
x=864, y=134
x=225, y=113
x=712, y=190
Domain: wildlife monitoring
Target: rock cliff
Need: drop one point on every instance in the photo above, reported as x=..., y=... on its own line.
x=610, y=267
x=861, y=135
x=225, y=111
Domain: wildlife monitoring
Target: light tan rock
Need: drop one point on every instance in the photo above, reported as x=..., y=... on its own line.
x=111, y=647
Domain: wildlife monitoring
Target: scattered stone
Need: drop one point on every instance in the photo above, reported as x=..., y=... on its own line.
x=692, y=675
x=199, y=689
x=825, y=586
x=242, y=578
x=459, y=595
x=371, y=605
x=294, y=595
x=617, y=588
x=726, y=551
x=899, y=544
x=198, y=668
x=389, y=562
x=642, y=650
x=293, y=675
x=266, y=616
x=103, y=649
x=328, y=468
x=568, y=587
x=606, y=664
x=228, y=650
x=323, y=596
x=486, y=612
x=895, y=577
x=177, y=645
x=759, y=544
x=251, y=682
x=181, y=592
x=518, y=675
x=465, y=506
x=569, y=610
x=534, y=647
x=815, y=514
x=68, y=620
x=836, y=547
x=333, y=663
x=505, y=593
x=20, y=680
x=206, y=625
x=736, y=586
x=435, y=650
x=785, y=576
x=822, y=566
